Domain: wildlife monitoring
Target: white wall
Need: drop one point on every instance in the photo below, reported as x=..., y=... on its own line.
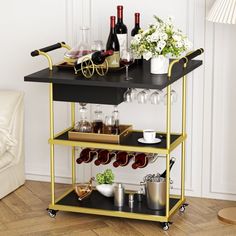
x=27, y=25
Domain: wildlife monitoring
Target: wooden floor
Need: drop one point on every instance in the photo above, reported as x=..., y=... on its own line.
x=23, y=213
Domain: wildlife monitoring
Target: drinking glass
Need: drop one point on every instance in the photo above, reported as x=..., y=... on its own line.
x=127, y=59
x=155, y=97
x=142, y=96
x=173, y=97
x=128, y=96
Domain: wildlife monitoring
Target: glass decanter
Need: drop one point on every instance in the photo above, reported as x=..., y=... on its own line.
x=83, y=48
x=83, y=125
x=98, y=120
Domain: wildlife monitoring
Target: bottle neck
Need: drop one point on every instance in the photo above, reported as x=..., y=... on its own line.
x=137, y=26
x=119, y=14
x=137, y=19
x=112, y=24
x=120, y=20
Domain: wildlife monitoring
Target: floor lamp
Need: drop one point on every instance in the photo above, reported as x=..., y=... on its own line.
x=224, y=11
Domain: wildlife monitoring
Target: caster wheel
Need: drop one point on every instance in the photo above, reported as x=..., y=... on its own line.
x=52, y=213
x=165, y=226
x=183, y=207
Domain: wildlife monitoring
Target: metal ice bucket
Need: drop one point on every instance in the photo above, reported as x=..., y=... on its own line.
x=155, y=194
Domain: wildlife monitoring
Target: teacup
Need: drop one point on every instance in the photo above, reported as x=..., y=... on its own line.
x=149, y=135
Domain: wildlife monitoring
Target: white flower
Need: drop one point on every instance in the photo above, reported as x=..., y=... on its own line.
x=161, y=44
x=147, y=55
x=176, y=37
x=187, y=44
x=138, y=37
x=163, y=36
x=154, y=37
x=179, y=44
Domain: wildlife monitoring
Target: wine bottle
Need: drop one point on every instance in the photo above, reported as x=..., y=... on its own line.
x=138, y=59
x=113, y=44
x=87, y=155
x=172, y=162
x=97, y=58
x=140, y=161
x=104, y=157
x=121, y=30
x=136, y=28
x=122, y=159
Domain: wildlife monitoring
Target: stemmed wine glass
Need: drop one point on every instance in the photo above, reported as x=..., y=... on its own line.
x=127, y=59
x=128, y=97
x=173, y=97
x=143, y=96
x=156, y=97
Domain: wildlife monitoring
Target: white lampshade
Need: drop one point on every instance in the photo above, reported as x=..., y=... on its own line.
x=223, y=11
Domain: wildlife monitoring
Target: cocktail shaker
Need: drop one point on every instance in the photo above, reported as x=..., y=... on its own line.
x=119, y=195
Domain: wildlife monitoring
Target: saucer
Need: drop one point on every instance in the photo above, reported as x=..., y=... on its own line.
x=156, y=140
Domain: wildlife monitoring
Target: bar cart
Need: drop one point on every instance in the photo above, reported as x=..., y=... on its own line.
x=65, y=86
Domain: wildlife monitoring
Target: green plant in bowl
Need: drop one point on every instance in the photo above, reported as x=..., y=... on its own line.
x=107, y=177
x=105, y=183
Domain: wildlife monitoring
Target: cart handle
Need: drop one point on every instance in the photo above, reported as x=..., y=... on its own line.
x=184, y=60
x=43, y=51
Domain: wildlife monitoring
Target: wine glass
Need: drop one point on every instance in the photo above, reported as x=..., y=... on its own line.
x=127, y=59
x=155, y=97
x=142, y=96
x=173, y=97
x=128, y=96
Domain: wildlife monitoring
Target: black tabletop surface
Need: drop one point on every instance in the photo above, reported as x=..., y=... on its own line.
x=142, y=78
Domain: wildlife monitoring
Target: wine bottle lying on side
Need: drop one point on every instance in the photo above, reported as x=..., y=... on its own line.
x=97, y=58
x=87, y=155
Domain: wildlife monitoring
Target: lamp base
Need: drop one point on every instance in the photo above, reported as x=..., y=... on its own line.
x=228, y=215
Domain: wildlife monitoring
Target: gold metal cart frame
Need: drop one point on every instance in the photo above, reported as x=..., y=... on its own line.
x=166, y=151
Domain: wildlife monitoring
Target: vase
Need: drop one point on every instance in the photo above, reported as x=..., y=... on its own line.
x=159, y=65
x=106, y=190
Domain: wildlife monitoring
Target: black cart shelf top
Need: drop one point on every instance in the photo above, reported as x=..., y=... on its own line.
x=142, y=78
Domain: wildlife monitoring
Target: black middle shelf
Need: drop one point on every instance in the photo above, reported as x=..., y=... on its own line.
x=128, y=143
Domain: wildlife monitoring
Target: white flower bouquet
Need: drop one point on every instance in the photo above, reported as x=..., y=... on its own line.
x=161, y=38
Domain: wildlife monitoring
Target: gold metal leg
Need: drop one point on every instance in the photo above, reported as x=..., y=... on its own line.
x=183, y=151
x=168, y=128
x=73, y=148
x=52, y=166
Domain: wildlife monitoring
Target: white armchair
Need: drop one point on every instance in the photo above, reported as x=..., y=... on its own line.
x=12, y=173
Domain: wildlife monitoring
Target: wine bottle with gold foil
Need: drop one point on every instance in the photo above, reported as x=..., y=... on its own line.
x=113, y=44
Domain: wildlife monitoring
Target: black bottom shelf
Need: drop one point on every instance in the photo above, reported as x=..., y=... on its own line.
x=98, y=201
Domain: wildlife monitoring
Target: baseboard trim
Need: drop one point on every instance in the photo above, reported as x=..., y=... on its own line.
x=47, y=178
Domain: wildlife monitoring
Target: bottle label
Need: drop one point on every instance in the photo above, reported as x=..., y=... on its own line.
x=122, y=38
x=114, y=60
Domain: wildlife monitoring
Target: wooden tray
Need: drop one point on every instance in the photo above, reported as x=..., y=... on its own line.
x=100, y=138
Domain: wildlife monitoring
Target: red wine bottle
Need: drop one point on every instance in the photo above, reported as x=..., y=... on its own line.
x=87, y=155
x=172, y=162
x=121, y=30
x=83, y=155
x=113, y=44
x=122, y=159
x=104, y=157
x=140, y=161
x=135, y=30
x=97, y=58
